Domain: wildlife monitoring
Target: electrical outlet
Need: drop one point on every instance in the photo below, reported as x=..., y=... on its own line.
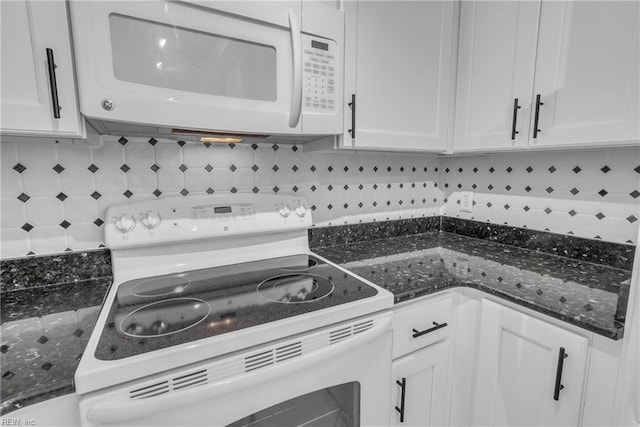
x=466, y=201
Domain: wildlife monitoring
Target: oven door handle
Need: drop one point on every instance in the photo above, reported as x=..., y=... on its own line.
x=126, y=410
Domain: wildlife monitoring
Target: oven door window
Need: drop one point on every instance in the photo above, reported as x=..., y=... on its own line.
x=337, y=406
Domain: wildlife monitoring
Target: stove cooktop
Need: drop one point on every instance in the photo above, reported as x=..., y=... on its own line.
x=158, y=312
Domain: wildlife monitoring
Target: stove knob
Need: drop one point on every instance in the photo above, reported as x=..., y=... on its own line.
x=284, y=211
x=124, y=224
x=151, y=220
x=301, y=211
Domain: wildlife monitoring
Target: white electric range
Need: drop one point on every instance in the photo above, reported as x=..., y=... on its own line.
x=219, y=314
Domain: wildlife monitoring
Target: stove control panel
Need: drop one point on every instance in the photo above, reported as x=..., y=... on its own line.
x=175, y=219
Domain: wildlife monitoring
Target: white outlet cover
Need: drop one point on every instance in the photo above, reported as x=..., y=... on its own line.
x=466, y=201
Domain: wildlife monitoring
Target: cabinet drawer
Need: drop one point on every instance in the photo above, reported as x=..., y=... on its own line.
x=421, y=323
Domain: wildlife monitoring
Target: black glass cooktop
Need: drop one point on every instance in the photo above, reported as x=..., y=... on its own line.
x=162, y=311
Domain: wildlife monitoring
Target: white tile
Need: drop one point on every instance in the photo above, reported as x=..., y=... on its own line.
x=141, y=181
x=84, y=236
x=14, y=243
x=196, y=180
x=168, y=156
x=221, y=179
x=13, y=213
x=78, y=209
x=37, y=154
x=40, y=182
x=110, y=155
x=45, y=211
x=197, y=156
x=110, y=181
x=219, y=156
x=170, y=180
x=11, y=183
x=48, y=239
x=242, y=156
x=139, y=154
x=77, y=182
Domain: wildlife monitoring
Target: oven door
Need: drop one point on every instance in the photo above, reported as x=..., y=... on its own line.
x=335, y=377
x=184, y=65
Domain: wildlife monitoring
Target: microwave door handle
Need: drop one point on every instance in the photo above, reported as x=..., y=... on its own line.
x=109, y=411
x=296, y=50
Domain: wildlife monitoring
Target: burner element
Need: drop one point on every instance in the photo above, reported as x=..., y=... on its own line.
x=161, y=286
x=295, y=288
x=165, y=317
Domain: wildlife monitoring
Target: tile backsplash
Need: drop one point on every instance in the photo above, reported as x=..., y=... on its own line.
x=585, y=193
x=54, y=195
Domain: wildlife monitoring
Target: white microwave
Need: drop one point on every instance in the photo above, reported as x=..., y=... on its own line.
x=208, y=68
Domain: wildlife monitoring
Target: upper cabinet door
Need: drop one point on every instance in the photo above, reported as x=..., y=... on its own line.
x=37, y=70
x=399, y=63
x=587, y=73
x=496, y=62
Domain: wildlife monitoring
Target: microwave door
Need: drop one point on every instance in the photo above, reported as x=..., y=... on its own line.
x=187, y=65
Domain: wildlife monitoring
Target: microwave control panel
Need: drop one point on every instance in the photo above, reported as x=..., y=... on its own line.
x=320, y=68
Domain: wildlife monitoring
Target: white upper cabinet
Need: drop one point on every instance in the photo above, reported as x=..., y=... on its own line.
x=399, y=64
x=572, y=66
x=587, y=73
x=37, y=71
x=496, y=61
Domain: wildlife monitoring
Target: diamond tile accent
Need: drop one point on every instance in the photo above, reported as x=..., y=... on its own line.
x=294, y=168
x=27, y=227
x=508, y=187
x=295, y=188
x=572, y=212
x=275, y=147
x=490, y=187
x=154, y=167
x=157, y=192
x=276, y=189
x=255, y=189
x=491, y=169
x=552, y=169
x=294, y=148
x=96, y=195
x=19, y=167
x=637, y=169
x=125, y=168
x=605, y=169
x=330, y=187
x=231, y=145
x=509, y=169
x=549, y=190
x=123, y=140
x=181, y=143
x=631, y=219
x=346, y=168
x=489, y=204
x=233, y=168
x=184, y=191
x=312, y=168
x=208, y=168
x=329, y=206
x=61, y=197
x=58, y=168
x=253, y=168
x=210, y=190
x=183, y=168
x=346, y=206
x=255, y=146
x=93, y=168
x=98, y=222
x=314, y=188
x=153, y=141
x=65, y=224
x=506, y=207
x=529, y=169
x=600, y=216
x=577, y=169
x=475, y=170
x=603, y=192
x=361, y=169
x=275, y=168
x=23, y=197
x=234, y=190
x=574, y=191
x=548, y=211
x=526, y=208
x=635, y=194
x=527, y=188
x=127, y=194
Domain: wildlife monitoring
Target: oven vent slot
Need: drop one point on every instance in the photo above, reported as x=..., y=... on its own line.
x=257, y=361
x=362, y=326
x=150, y=390
x=288, y=351
x=190, y=380
x=339, y=335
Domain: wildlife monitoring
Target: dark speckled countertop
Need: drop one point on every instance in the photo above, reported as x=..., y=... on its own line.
x=588, y=295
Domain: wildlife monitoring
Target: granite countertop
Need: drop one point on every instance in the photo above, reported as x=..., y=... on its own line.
x=588, y=295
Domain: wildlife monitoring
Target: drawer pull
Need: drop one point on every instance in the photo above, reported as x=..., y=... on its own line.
x=417, y=333
x=403, y=389
x=562, y=354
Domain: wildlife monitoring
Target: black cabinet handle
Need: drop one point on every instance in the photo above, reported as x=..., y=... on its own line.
x=417, y=333
x=403, y=388
x=352, y=105
x=516, y=107
x=561, y=356
x=536, y=117
x=51, y=66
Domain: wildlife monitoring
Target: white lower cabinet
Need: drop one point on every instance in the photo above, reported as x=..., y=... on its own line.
x=421, y=396
x=528, y=372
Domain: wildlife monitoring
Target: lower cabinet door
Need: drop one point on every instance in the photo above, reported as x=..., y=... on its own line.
x=421, y=387
x=529, y=372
